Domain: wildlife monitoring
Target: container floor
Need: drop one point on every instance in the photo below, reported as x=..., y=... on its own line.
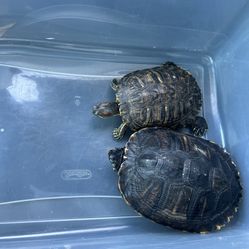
x=53, y=151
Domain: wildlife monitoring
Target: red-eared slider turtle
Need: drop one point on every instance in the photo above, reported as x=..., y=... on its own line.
x=161, y=96
x=178, y=180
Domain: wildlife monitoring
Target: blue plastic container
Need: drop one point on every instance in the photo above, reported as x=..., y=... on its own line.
x=57, y=59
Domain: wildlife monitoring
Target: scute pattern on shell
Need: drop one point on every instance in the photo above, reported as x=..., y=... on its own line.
x=160, y=96
x=179, y=180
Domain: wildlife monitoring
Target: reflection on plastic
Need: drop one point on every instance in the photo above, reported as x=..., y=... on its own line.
x=23, y=89
x=5, y=28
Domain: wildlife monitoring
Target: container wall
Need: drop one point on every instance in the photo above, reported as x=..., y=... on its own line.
x=231, y=67
x=186, y=25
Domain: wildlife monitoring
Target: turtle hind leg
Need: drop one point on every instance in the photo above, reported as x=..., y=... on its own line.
x=115, y=84
x=119, y=132
x=198, y=125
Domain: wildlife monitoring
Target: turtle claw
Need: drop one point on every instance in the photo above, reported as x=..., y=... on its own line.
x=199, y=132
x=117, y=134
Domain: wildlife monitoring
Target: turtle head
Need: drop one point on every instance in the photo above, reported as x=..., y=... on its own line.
x=116, y=157
x=106, y=109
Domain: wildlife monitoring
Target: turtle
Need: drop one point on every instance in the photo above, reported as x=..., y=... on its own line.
x=178, y=180
x=165, y=95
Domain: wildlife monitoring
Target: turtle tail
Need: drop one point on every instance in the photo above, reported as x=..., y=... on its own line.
x=116, y=157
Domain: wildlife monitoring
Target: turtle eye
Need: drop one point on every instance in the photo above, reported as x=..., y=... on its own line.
x=147, y=160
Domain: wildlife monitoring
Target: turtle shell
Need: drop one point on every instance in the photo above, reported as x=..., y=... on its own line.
x=161, y=96
x=179, y=180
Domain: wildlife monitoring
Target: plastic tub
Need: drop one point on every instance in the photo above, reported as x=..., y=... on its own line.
x=57, y=59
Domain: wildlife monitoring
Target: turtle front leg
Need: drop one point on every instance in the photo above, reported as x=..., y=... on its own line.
x=115, y=84
x=116, y=157
x=119, y=132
